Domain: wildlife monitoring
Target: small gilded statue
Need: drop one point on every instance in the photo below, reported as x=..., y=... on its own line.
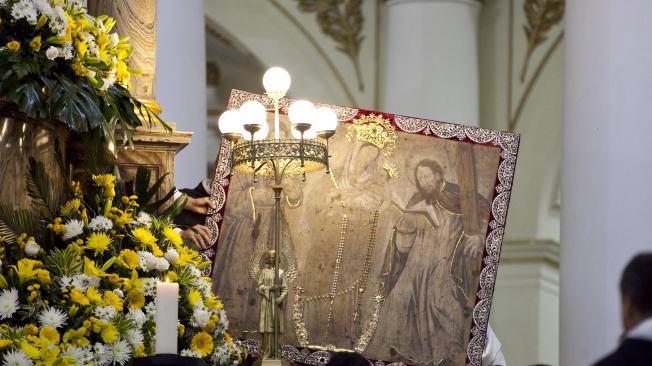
x=272, y=305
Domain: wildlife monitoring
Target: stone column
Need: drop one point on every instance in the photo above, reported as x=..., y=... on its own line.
x=431, y=60
x=607, y=161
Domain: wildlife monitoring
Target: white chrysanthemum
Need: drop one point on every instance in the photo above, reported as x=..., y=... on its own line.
x=171, y=255
x=67, y=51
x=114, y=39
x=52, y=317
x=200, y=318
x=103, y=354
x=150, y=310
x=8, y=303
x=100, y=223
x=223, y=322
x=65, y=281
x=118, y=292
x=148, y=288
x=135, y=337
x=144, y=219
x=105, y=313
x=16, y=358
x=147, y=260
x=137, y=316
x=31, y=248
x=190, y=353
x=82, y=355
x=73, y=228
x=52, y=53
x=83, y=281
x=121, y=352
x=162, y=264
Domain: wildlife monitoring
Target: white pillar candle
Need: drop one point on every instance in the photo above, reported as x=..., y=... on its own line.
x=167, y=316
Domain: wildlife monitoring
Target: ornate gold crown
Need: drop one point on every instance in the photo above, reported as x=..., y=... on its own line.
x=378, y=131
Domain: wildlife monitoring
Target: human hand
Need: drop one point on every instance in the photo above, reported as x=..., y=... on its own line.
x=199, y=205
x=474, y=245
x=200, y=235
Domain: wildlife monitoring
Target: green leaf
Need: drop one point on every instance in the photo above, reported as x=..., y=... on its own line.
x=64, y=262
x=175, y=208
x=40, y=190
x=16, y=222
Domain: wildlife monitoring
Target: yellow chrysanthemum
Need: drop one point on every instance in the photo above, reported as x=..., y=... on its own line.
x=227, y=338
x=123, y=219
x=77, y=296
x=156, y=250
x=109, y=333
x=35, y=44
x=103, y=179
x=70, y=207
x=5, y=343
x=129, y=258
x=135, y=299
x=202, y=342
x=213, y=303
x=170, y=276
x=94, y=297
x=50, y=335
x=30, y=350
x=143, y=236
x=172, y=236
x=112, y=300
x=30, y=329
x=181, y=329
x=98, y=242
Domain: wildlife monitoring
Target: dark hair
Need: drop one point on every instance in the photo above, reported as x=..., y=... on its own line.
x=347, y=359
x=430, y=164
x=636, y=282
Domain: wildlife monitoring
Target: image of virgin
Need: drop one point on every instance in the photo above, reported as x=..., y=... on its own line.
x=427, y=281
x=362, y=192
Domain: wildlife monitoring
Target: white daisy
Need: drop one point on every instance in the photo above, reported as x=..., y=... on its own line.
x=193, y=270
x=100, y=223
x=105, y=313
x=148, y=287
x=8, y=303
x=73, y=228
x=16, y=358
x=190, y=353
x=31, y=248
x=52, y=317
x=150, y=310
x=121, y=352
x=171, y=255
x=103, y=354
x=83, y=281
x=135, y=337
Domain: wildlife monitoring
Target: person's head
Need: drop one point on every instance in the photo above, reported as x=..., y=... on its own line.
x=429, y=177
x=347, y=359
x=636, y=290
x=270, y=257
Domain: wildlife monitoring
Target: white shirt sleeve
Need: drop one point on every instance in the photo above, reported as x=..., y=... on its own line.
x=492, y=354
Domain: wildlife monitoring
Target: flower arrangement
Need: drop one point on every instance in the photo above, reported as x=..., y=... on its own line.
x=82, y=290
x=59, y=62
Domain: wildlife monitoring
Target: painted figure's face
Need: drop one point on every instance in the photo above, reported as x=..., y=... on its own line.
x=429, y=180
x=365, y=159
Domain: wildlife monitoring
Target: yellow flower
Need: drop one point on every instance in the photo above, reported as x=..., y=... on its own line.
x=172, y=236
x=113, y=300
x=187, y=256
x=156, y=250
x=102, y=41
x=135, y=298
x=123, y=219
x=202, y=342
x=43, y=276
x=90, y=268
x=82, y=47
x=181, y=329
x=227, y=338
x=3, y=282
x=5, y=342
x=93, y=296
x=99, y=242
x=13, y=46
x=109, y=333
x=129, y=258
x=193, y=297
x=103, y=180
x=31, y=329
x=26, y=269
x=35, y=44
x=77, y=296
x=49, y=335
x=143, y=236
x=29, y=349
x=171, y=276
x=213, y=303
x=70, y=207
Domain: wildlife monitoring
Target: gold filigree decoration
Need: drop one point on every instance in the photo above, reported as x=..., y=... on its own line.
x=378, y=131
x=342, y=21
x=541, y=16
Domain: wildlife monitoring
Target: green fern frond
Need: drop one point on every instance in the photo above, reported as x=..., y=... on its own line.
x=40, y=190
x=15, y=222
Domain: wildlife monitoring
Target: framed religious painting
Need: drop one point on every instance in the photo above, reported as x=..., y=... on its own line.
x=392, y=252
